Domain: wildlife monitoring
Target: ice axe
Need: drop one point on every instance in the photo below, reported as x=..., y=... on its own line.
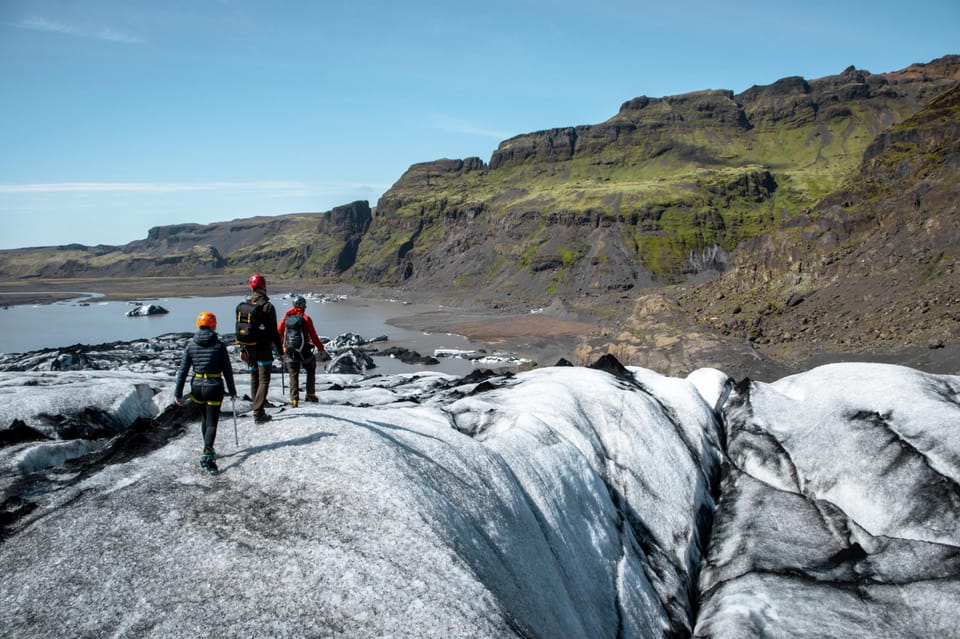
x=233, y=405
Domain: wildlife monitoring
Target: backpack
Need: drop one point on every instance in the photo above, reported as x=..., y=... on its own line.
x=250, y=323
x=295, y=340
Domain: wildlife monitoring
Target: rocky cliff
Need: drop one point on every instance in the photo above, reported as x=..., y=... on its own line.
x=314, y=245
x=872, y=265
x=661, y=193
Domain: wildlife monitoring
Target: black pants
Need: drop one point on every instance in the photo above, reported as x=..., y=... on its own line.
x=210, y=414
x=209, y=394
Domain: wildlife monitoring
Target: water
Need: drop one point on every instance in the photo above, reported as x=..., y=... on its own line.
x=86, y=320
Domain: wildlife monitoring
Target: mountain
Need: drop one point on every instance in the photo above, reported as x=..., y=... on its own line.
x=660, y=193
x=315, y=244
x=601, y=501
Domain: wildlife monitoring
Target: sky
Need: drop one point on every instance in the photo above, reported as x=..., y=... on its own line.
x=120, y=115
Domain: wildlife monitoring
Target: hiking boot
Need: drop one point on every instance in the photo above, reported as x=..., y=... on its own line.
x=294, y=402
x=211, y=452
x=207, y=463
x=311, y=398
x=262, y=418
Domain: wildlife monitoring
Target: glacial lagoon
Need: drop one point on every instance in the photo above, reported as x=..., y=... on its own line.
x=90, y=320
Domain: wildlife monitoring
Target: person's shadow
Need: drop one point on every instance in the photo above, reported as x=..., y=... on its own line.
x=239, y=457
x=380, y=428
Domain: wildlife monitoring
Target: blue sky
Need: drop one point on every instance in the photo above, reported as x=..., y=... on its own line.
x=120, y=115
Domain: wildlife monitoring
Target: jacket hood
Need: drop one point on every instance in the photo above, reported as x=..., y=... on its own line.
x=206, y=337
x=295, y=311
x=259, y=295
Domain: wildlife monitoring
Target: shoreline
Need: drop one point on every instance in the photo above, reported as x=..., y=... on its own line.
x=539, y=335
x=495, y=330
x=109, y=290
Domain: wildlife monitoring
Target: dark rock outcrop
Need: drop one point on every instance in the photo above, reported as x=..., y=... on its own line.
x=146, y=310
x=352, y=361
x=348, y=224
x=872, y=266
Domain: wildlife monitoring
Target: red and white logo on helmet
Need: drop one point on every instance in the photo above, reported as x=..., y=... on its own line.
x=257, y=281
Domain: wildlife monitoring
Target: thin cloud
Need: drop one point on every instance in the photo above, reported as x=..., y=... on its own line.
x=104, y=34
x=454, y=125
x=180, y=187
x=141, y=187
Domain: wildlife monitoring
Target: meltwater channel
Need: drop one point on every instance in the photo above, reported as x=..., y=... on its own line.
x=90, y=321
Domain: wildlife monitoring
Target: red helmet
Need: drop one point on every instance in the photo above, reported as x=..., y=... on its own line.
x=206, y=318
x=257, y=281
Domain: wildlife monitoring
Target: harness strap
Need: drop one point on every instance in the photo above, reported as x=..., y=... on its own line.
x=207, y=375
x=200, y=401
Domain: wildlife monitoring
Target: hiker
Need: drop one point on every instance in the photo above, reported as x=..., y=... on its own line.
x=257, y=332
x=299, y=338
x=208, y=358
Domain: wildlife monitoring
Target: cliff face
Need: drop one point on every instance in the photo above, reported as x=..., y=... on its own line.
x=661, y=193
x=307, y=244
x=873, y=264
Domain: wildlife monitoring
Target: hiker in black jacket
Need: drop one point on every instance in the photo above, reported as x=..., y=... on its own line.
x=208, y=358
x=260, y=341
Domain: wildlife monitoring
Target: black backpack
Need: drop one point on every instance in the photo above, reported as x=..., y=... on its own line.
x=295, y=339
x=251, y=327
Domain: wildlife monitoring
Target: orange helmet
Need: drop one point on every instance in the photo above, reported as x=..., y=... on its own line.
x=207, y=319
x=257, y=281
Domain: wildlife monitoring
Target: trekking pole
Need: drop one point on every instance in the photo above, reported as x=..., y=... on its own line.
x=236, y=439
x=283, y=375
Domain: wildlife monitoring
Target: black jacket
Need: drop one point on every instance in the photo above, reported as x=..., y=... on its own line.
x=271, y=336
x=206, y=355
